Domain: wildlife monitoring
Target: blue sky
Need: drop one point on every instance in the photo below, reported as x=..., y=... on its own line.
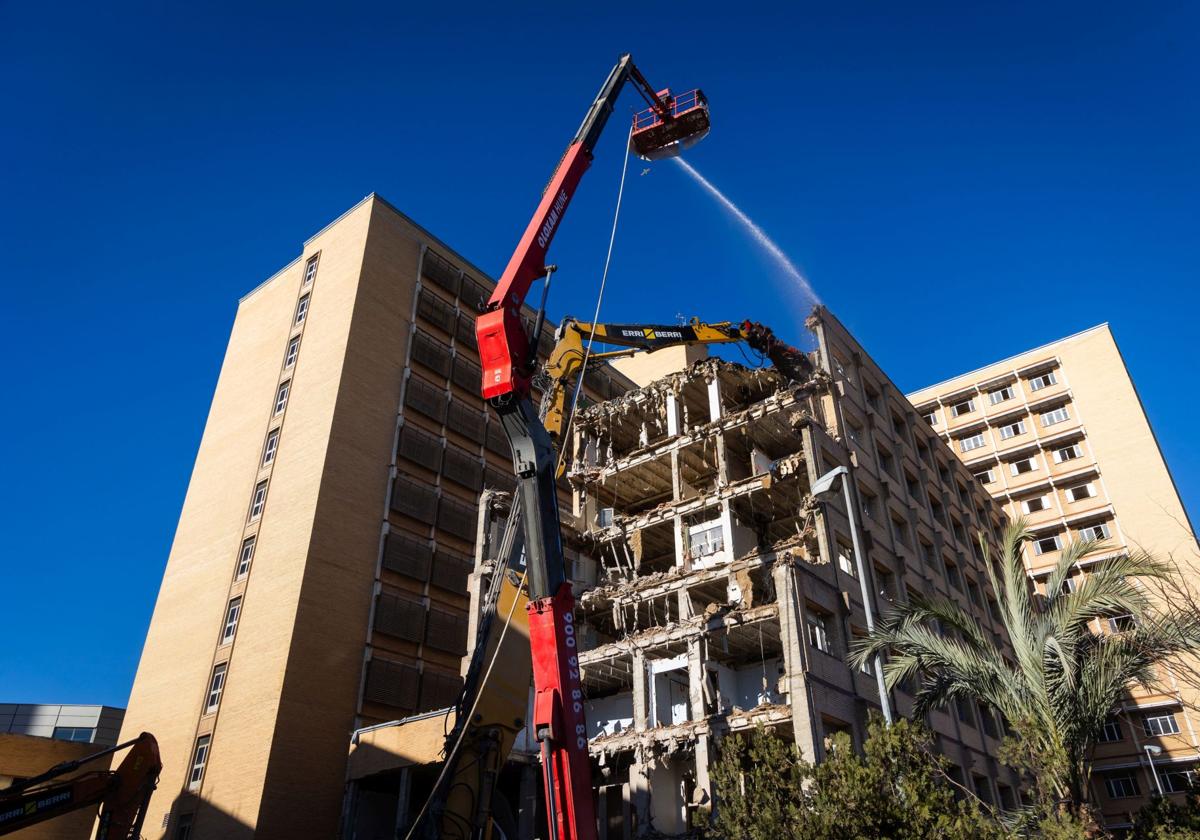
x=960, y=182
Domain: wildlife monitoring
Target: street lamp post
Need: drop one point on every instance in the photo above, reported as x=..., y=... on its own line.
x=823, y=486
x=1151, y=751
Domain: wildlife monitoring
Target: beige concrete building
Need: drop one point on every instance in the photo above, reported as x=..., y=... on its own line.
x=1058, y=435
x=317, y=581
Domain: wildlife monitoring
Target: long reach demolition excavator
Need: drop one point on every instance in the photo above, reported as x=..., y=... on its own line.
x=508, y=358
x=527, y=623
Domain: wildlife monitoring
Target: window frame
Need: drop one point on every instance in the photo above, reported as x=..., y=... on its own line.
x=816, y=632
x=281, y=397
x=1042, y=380
x=310, y=268
x=233, y=614
x=1090, y=492
x=245, y=557
x=216, y=687
x=1006, y=390
x=1012, y=430
x=1055, y=416
x=969, y=402
x=1075, y=449
x=293, y=351
x=1120, y=791
x=258, y=501
x=1158, y=718
x=1054, y=538
x=200, y=755
x=1031, y=461
x=301, y=310
x=975, y=441
x=270, y=448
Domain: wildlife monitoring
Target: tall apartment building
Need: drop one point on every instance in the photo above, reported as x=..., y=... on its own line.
x=317, y=581
x=1058, y=435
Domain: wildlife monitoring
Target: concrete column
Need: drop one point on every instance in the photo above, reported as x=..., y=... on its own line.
x=639, y=690
x=791, y=633
x=639, y=791
x=698, y=710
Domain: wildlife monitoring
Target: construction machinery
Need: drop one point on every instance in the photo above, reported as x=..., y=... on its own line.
x=508, y=356
x=573, y=341
x=122, y=794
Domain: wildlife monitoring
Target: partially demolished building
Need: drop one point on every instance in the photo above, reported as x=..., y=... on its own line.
x=716, y=593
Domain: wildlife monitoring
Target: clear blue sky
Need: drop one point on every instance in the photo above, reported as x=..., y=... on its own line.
x=960, y=181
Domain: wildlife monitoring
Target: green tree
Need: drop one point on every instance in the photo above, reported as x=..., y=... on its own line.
x=896, y=790
x=1065, y=676
x=1163, y=819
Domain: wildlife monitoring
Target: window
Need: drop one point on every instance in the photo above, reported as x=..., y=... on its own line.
x=985, y=477
x=1047, y=379
x=301, y=310
x=1111, y=732
x=964, y=407
x=1058, y=415
x=1012, y=430
x=74, y=733
x=260, y=499
x=870, y=503
x=1047, y=544
x=1034, y=505
x=244, y=558
x=973, y=593
x=231, y=620
x=1080, y=492
x=931, y=418
x=1156, y=725
x=952, y=575
x=1067, y=453
x=310, y=269
x=1001, y=394
x=846, y=559
x=1025, y=465
x=292, y=351
x=706, y=539
x=1121, y=623
x=215, y=687
x=1095, y=532
x=281, y=397
x=1178, y=780
x=818, y=637
x=1121, y=784
x=973, y=442
x=199, y=759
x=270, y=447
x=183, y=828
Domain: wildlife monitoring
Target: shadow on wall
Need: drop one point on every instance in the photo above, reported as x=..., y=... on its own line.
x=195, y=819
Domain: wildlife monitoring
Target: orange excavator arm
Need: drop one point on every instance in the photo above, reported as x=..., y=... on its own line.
x=121, y=794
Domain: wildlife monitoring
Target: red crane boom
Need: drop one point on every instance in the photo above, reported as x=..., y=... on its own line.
x=508, y=363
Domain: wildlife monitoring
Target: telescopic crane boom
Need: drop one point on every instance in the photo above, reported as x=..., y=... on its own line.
x=508, y=364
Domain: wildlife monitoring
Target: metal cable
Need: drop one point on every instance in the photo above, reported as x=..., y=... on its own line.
x=587, y=351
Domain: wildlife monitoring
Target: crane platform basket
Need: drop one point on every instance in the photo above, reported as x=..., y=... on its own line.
x=654, y=137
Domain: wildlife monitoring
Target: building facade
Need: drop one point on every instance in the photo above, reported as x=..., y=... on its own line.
x=717, y=593
x=317, y=580
x=1059, y=436
x=99, y=725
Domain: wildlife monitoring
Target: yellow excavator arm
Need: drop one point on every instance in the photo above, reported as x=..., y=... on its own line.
x=573, y=337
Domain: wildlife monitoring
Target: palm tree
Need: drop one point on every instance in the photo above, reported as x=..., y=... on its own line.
x=1065, y=675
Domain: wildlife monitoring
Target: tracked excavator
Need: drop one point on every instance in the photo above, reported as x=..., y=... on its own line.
x=527, y=615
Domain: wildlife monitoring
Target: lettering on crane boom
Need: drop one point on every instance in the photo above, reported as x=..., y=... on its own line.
x=657, y=333
x=551, y=222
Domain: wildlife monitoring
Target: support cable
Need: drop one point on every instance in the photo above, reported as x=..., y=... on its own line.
x=587, y=351
x=507, y=621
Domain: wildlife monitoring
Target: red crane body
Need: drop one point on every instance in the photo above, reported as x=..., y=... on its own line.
x=504, y=350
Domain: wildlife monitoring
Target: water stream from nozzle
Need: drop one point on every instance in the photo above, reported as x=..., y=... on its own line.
x=757, y=234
